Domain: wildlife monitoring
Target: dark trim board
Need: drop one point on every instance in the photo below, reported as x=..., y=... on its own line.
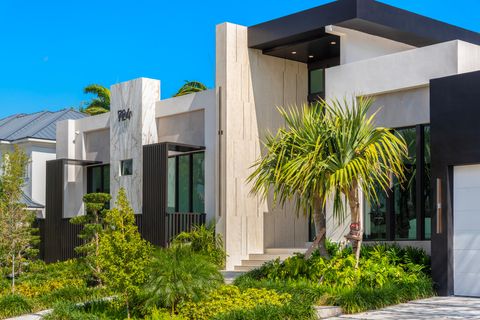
x=367, y=16
x=455, y=136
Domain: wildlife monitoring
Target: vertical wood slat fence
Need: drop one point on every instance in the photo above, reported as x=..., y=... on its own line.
x=178, y=222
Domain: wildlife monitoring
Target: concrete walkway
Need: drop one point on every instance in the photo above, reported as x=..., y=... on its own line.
x=32, y=316
x=432, y=308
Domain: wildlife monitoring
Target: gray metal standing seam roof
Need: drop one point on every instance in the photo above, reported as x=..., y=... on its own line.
x=39, y=125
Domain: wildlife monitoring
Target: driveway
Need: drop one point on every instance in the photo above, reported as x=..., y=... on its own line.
x=432, y=308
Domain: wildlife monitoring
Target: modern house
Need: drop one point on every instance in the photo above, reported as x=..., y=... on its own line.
x=36, y=134
x=185, y=160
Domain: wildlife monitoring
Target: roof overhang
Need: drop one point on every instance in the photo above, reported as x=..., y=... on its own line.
x=366, y=16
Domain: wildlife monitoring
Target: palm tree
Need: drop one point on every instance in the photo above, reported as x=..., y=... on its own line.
x=361, y=157
x=329, y=151
x=293, y=166
x=190, y=87
x=100, y=104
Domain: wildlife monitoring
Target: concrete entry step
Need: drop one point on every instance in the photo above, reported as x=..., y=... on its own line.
x=289, y=251
x=256, y=260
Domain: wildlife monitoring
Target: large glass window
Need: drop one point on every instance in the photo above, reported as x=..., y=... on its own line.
x=198, y=182
x=404, y=212
x=186, y=183
x=171, y=185
x=404, y=194
x=98, y=179
x=427, y=183
x=375, y=224
x=316, y=86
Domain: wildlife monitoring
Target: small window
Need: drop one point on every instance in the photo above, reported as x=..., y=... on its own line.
x=317, y=81
x=126, y=167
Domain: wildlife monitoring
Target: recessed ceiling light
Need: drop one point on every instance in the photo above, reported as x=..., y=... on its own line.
x=333, y=42
x=294, y=52
x=310, y=56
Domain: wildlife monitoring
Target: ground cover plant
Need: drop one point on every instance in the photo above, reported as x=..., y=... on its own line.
x=42, y=285
x=386, y=275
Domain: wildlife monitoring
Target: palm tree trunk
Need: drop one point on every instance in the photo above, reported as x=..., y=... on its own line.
x=356, y=229
x=319, y=220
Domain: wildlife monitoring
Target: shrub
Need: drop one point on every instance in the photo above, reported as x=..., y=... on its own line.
x=179, y=275
x=68, y=311
x=386, y=275
x=203, y=240
x=359, y=299
x=12, y=305
x=227, y=299
x=162, y=314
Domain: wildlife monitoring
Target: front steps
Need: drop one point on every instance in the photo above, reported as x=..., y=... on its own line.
x=256, y=260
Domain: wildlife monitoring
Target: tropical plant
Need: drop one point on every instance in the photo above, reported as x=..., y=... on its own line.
x=93, y=224
x=123, y=256
x=101, y=103
x=203, y=240
x=329, y=150
x=294, y=165
x=361, y=157
x=17, y=236
x=190, y=87
x=178, y=275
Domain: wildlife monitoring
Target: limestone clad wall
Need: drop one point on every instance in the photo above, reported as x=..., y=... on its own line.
x=252, y=85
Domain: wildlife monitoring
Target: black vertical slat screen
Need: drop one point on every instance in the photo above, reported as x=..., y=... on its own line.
x=155, y=171
x=57, y=235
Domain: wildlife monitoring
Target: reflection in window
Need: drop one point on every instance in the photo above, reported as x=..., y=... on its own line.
x=317, y=82
x=98, y=179
x=404, y=194
x=375, y=224
x=198, y=182
x=126, y=167
x=171, y=185
x=186, y=183
x=427, y=188
x=394, y=217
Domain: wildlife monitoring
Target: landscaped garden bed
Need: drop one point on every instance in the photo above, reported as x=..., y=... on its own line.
x=42, y=285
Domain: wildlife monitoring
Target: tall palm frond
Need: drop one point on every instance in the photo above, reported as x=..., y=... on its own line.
x=99, y=104
x=190, y=87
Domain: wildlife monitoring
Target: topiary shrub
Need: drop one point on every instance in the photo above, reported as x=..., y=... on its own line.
x=14, y=305
x=227, y=299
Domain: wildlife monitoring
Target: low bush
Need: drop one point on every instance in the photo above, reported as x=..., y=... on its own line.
x=359, y=299
x=12, y=304
x=177, y=275
x=203, y=240
x=227, y=299
x=386, y=275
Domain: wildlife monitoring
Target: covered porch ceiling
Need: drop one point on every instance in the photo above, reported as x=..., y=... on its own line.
x=304, y=32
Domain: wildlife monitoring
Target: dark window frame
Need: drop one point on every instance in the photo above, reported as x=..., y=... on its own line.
x=190, y=179
x=419, y=192
x=90, y=169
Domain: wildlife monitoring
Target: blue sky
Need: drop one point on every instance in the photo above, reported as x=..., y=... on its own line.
x=50, y=50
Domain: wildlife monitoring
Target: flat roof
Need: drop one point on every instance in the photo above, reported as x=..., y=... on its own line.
x=367, y=16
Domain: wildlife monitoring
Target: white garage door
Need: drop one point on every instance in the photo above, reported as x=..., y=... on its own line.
x=466, y=236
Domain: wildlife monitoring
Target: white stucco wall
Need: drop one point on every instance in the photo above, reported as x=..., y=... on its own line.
x=192, y=119
x=356, y=45
x=400, y=82
x=251, y=85
x=71, y=144
x=400, y=71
